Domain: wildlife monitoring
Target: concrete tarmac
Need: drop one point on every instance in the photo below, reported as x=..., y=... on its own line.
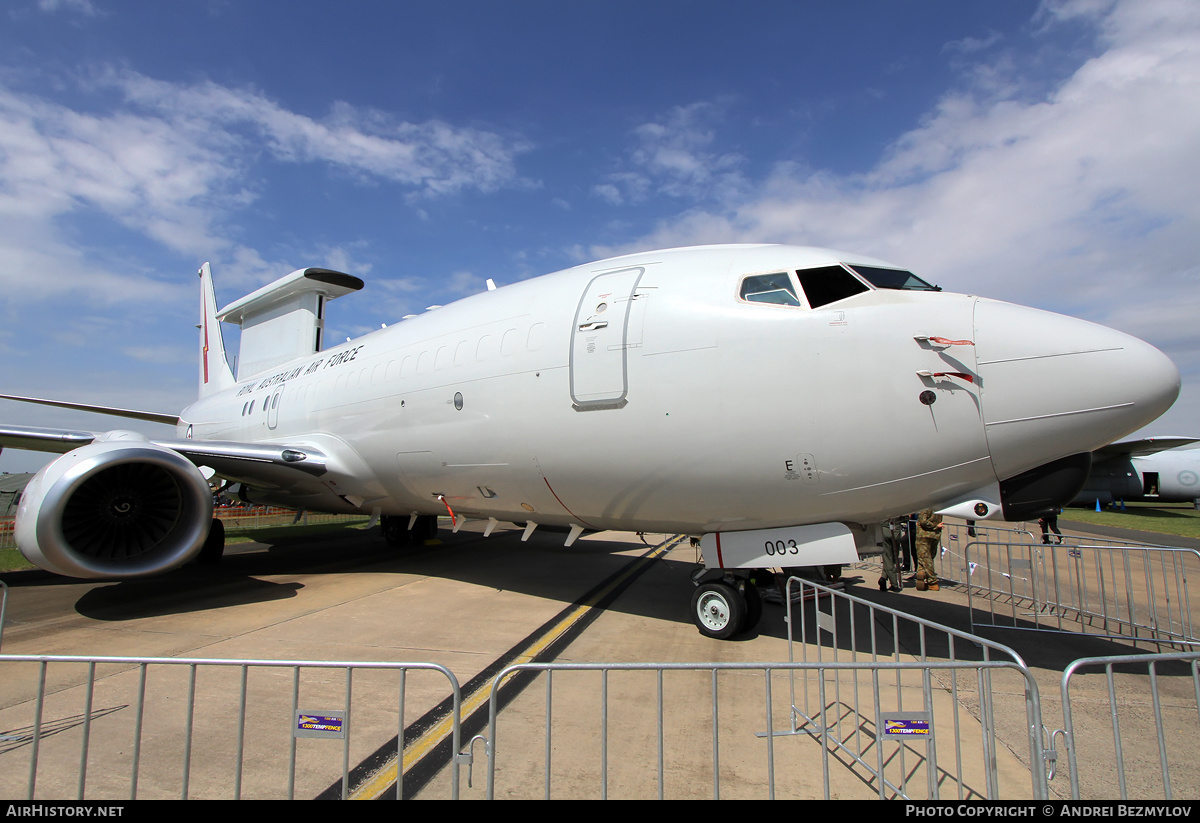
x=470, y=604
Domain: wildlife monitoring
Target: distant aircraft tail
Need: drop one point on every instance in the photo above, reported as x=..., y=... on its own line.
x=215, y=373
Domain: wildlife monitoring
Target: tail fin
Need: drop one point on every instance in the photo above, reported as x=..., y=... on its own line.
x=215, y=373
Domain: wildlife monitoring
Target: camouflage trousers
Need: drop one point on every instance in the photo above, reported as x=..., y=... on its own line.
x=927, y=548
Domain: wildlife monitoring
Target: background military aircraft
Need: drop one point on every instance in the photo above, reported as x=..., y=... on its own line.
x=1161, y=469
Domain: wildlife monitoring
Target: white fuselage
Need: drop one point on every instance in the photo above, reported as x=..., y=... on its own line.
x=642, y=393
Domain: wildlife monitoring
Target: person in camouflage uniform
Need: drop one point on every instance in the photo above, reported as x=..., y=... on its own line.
x=929, y=536
x=894, y=533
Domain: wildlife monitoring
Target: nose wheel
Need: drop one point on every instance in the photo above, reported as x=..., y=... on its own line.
x=720, y=611
x=717, y=609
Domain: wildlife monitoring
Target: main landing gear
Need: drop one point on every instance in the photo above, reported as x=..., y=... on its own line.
x=397, y=533
x=724, y=603
x=214, y=545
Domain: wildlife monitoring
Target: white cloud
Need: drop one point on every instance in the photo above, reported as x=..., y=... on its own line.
x=136, y=171
x=433, y=157
x=464, y=283
x=170, y=164
x=609, y=193
x=84, y=7
x=970, y=45
x=35, y=264
x=674, y=156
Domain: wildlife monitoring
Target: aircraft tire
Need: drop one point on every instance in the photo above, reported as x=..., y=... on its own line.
x=424, y=529
x=395, y=531
x=754, y=608
x=214, y=545
x=718, y=610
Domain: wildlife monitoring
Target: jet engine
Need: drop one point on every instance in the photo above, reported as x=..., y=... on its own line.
x=118, y=507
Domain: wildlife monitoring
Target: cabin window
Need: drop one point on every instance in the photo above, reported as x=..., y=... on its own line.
x=770, y=288
x=486, y=348
x=892, y=278
x=537, y=335
x=508, y=343
x=828, y=284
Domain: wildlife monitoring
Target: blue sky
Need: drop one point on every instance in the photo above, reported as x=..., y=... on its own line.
x=1046, y=153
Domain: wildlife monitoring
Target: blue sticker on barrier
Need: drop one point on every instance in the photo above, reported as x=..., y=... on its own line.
x=329, y=724
x=907, y=724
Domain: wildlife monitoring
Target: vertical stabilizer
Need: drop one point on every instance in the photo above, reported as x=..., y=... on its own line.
x=215, y=373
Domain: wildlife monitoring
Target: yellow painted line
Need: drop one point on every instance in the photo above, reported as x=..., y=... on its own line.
x=381, y=782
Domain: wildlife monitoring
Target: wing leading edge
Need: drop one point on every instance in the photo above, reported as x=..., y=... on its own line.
x=1142, y=448
x=241, y=461
x=131, y=414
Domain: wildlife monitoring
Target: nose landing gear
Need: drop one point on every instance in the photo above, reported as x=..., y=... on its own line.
x=725, y=605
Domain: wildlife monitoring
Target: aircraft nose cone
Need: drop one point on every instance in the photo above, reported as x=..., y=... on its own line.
x=1053, y=385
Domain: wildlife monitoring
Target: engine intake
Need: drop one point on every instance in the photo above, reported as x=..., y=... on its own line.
x=117, y=508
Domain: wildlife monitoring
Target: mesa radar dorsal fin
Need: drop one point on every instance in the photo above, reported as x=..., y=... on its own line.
x=285, y=319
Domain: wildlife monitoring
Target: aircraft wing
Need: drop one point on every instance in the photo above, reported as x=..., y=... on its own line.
x=1141, y=448
x=58, y=441
x=267, y=463
x=132, y=414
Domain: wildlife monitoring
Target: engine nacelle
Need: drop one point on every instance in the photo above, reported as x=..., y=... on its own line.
x=119, y=507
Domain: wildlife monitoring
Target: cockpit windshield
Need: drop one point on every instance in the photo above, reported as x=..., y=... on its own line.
x=828, y=284
x=892, y=278
x=770, y=288
x=822, y=285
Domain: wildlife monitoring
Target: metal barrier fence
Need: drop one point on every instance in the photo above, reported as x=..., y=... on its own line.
x=594, y=751
x=260, y=517
x=129, y=725
x=1108, y=588
x=3, y=610
x=125, y=727
x=877, y=728
x=1163, y=708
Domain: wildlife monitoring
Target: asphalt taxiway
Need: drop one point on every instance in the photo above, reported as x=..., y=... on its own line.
x=469, y=603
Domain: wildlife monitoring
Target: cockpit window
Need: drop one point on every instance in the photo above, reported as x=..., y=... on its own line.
x=770, y=288
x=828, y=284
x=892, y=278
